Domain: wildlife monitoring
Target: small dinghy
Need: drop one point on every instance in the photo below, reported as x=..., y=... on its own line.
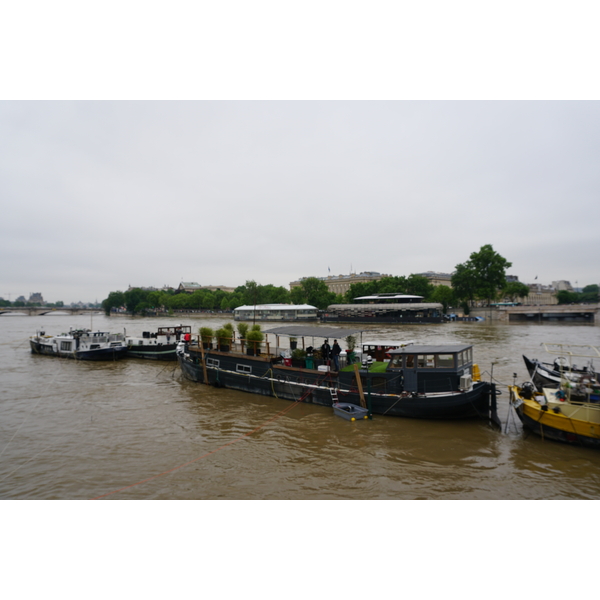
x=350, y=412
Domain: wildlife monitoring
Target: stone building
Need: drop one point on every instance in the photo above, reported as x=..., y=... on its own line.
x=540, y=294
x=340, y=284
x=436, y=278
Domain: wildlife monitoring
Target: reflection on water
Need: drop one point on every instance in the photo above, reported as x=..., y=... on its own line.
x=81, y=430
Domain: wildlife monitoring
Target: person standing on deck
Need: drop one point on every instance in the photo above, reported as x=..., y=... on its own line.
x=335, y=352
x=326, y=351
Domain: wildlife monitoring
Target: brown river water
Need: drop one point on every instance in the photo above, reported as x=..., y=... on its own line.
x=134, y=429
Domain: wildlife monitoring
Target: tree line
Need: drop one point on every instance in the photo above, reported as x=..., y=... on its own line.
x=481, y=278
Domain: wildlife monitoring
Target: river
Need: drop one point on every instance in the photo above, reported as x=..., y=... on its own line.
x=135, y=429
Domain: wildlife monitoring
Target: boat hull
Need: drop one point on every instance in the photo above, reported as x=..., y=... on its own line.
x=574, y=423
x=257, y=375
x=102, y=353
x=165, y=352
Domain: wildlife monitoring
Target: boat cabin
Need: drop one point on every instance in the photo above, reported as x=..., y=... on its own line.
x=276, y=312
x=380, y=350
x=428, y=369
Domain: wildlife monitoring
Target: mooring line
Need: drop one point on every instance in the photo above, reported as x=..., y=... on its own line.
x=276, y=416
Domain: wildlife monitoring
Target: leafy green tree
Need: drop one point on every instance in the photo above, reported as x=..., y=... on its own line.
x=417, y=285
x=313, y=291
x=114, y=300
x=482, y=276
x=464, y=282
x=590, y=293
x=515, y=289
x=566, y=297
x=297, y=295
x=443, y=294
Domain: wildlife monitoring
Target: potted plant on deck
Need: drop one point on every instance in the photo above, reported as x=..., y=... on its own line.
x=254, y=337
x=298, y=358
x=243, y=330
x=223, y=339
x=227, y=336
x=350, y=344
x=206, y=335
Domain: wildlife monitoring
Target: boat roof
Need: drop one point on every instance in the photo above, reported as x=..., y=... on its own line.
x=312, y=331
x=389, y=297
x=390, y=306
x=276, y=307
x=441, y=349
x=388, y=343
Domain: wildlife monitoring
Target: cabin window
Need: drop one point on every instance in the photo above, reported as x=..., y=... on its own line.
x=140, y=342
x=460, y=359
x=396, y=362
x=445, y=361
x=468, y=355
x=212, y=362
x=94, y=346
x=410, y=361
x=425, y=361
x=65, y=346
x=243, y=369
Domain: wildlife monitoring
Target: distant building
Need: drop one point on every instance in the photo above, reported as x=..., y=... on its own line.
x=437, y=278
x=562, y=286
x=36, y=298
x=140, y=287
x=340, y=284
x=540, y=295
x=189, y=287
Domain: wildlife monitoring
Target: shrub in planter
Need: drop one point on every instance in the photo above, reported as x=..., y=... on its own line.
x=298, y=356
x=254, y=338
x=243, y=329
x=350, y=343
x=223, y=339
x=207, y=335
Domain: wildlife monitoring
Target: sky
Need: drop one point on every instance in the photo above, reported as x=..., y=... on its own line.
x=100, y=191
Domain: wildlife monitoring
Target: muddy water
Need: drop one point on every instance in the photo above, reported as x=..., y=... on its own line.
x=77, y=430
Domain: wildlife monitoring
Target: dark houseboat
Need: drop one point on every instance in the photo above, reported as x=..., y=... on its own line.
x=430, y=382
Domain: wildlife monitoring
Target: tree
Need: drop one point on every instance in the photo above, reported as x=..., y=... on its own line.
x=515, y=289
x=443, y=294
x=417, y=285
x=464, y=283
x=313, y=291
x=566, y=297
x=134, y=297
x=590, y=293
x=114, y=300
x=482, y=276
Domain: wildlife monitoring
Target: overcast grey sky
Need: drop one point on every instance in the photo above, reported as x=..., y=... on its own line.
x=292, y=177
x=100, y=195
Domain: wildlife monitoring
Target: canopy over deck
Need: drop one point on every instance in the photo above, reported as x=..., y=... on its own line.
x=312, y=331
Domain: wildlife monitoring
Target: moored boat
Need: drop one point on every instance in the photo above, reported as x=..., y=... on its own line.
x=563, y=373
x=417, y=381
x=554, y=414
x=80, y=344
x=159, y=345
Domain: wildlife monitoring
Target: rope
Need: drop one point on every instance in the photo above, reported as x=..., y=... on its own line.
x=276, y=416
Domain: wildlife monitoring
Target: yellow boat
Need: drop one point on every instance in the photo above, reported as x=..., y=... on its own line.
x=553, y=414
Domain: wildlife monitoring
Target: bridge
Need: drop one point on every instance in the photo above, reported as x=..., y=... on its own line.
x=36, y=311
x=555, y=313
